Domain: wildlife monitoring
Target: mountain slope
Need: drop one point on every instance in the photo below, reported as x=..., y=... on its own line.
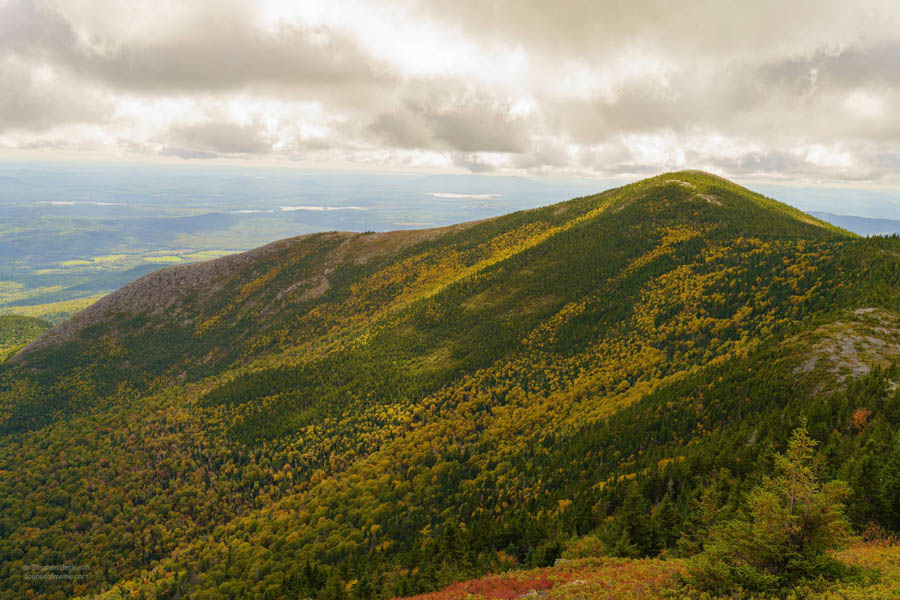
x=16, y=331
x=417, y=407
x=295, y=293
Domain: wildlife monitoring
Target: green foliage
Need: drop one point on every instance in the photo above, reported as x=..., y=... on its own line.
x=889, y=487
x=381, y=415
x=16, y=331
x=710, y=505
x=335, y=589
x=791, y=520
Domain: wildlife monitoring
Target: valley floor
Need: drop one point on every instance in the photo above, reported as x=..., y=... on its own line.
x=645, y=579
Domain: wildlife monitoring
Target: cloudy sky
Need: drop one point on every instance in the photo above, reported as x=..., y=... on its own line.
x=793, y=90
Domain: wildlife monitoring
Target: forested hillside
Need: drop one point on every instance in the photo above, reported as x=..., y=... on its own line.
x=16, y=331
x=382, y=414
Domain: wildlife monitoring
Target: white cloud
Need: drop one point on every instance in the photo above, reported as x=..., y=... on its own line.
x=785, y=90
x=864, y=104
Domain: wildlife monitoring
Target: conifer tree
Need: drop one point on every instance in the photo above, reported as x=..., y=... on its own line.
x=890, y=487
x=791, y=520
x=334, y=588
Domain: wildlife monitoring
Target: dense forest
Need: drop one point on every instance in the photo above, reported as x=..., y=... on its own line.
x=17, y=330
x=376, y=415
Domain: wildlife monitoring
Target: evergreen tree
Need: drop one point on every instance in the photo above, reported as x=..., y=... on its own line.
x=666, y=524
x=634, y=515
x=791, y=520
x=709, y=507
x=890, y=488
x=622, y=545
x=364, y=589
x=334, y=588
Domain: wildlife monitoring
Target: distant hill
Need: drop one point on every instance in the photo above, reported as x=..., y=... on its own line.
x=382, y=414
x=860, y=225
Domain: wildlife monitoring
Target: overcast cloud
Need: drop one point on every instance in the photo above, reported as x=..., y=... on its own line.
x=800, y=90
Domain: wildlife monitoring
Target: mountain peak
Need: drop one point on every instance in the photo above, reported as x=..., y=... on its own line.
x=701, y=197
x=300, y=270
x=344, y=396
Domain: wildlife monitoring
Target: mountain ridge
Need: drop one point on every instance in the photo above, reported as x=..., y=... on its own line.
x=424, y=407
x=201, y=274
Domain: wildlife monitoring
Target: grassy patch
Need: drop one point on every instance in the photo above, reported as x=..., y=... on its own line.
x=108, y=258
x=163, y=259
x=55, y=312
x=16, y=293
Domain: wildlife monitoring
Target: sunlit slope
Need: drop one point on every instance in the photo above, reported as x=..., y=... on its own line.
x=352, y=398
x=368, y=296
x=16, y=331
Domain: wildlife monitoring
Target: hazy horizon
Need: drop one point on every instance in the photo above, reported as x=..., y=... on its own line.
x=875, y=202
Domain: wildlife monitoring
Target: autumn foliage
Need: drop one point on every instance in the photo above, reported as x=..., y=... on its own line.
x=384, y=415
